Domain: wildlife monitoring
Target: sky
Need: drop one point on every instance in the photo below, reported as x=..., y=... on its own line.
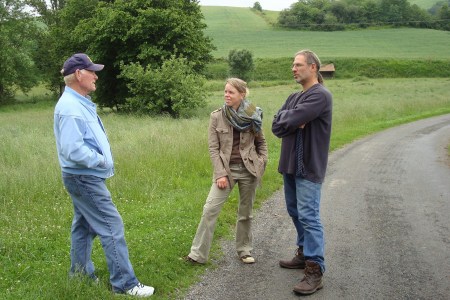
x=265, y=4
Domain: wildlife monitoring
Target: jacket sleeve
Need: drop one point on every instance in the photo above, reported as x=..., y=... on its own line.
x=286, y=121
x=214, y=150
x=261, y=146
x=277, y=126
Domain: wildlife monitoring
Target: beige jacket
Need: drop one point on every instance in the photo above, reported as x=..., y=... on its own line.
x=253, y=148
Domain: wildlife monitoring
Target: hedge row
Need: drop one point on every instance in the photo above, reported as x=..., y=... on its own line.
x=279, y=68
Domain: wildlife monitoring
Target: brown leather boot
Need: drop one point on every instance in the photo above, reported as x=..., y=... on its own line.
x=298, y=262
x=312, y=281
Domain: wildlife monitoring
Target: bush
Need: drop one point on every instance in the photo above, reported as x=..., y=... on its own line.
x=241, y=64
x=173, y=89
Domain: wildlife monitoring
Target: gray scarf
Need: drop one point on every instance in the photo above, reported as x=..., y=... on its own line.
x=248, y=116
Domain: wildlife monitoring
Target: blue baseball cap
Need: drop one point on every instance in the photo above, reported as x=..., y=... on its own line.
x=79, y=61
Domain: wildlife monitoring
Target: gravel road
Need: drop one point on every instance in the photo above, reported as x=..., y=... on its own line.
x=386, y=213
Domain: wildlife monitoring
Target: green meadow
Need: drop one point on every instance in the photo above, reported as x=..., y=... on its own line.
x=163, y=171
x=240, y=28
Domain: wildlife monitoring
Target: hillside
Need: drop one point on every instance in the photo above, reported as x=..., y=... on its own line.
x=240, y=28
x=426, y=4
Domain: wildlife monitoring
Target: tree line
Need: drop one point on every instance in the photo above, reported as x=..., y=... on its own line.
x=331, y=15
x=154, y=52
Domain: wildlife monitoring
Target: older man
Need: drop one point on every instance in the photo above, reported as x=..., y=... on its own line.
x=86, y=161
x=304, y=124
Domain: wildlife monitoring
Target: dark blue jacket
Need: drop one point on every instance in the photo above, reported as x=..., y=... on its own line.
x=313, y=108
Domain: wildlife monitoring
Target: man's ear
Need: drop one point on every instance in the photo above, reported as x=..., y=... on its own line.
x=78, y=74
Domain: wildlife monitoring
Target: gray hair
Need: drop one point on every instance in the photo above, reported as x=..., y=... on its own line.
x=69, y=79
x=311, y=58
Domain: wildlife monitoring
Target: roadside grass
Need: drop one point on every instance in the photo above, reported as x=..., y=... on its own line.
x=240, y=28
x=163, y=175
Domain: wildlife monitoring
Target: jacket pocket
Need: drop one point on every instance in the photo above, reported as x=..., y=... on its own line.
x=258, y=163
x=222, y=130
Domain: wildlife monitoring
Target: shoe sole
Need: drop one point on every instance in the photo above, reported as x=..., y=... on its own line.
x=292, y=267
x=310, y=292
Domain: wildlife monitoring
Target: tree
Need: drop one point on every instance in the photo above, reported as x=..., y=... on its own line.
x=18, y=33
x=47, y=9
x=331, y=23
x=434, y=10
x=241, y=64
x=444, y=17
x=395, y=11
x=59, y=42
x=257, y=6
x=123, y=32
x=172, y=89
x=305, y=14
x=339, y=15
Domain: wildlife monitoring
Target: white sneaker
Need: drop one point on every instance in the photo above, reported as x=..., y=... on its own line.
x=141, y=290
x=247, y=259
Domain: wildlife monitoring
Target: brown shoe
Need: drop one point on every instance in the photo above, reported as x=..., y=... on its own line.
x=312, y=281
x=298, y=262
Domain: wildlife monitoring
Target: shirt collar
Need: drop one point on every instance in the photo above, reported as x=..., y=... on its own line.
x=85, y=100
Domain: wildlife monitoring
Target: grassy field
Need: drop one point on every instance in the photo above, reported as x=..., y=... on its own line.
x=240, y=28
x=426, y=4
x=163, y=175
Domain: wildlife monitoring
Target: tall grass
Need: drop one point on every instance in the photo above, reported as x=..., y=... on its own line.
x=240, y=28
x=163, y=175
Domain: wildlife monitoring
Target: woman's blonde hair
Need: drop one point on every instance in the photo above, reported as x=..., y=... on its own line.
x=239, y=84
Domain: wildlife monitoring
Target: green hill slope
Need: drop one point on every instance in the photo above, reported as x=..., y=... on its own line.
x=426, y=4
x=240, y=28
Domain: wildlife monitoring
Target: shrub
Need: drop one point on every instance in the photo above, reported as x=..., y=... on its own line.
x=173, y=89
x=241, y=64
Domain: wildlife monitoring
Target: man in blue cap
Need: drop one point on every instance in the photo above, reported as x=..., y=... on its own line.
x=86, y=161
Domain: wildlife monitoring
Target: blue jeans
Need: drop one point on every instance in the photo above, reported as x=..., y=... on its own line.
x=95, y=214
x=303, y=206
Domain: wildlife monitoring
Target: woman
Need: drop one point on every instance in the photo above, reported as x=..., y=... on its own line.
x=238, y=152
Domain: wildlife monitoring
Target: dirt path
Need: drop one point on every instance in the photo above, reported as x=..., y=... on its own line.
x=386, y=213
